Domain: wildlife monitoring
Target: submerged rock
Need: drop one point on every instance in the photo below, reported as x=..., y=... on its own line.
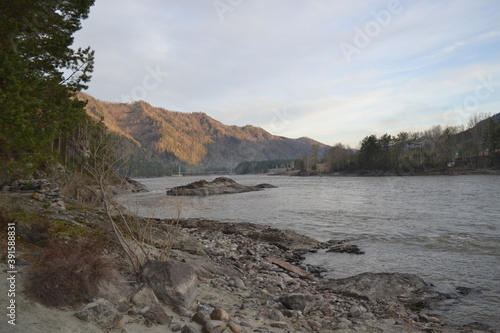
x=346, y=248
x=408, y=289
x=221, y=185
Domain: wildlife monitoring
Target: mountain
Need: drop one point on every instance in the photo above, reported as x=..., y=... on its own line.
x=193, y=138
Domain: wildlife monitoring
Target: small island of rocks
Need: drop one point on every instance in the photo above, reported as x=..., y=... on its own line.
x=221, y=185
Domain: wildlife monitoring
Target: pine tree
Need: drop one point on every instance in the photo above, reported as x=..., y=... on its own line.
x=40, y=73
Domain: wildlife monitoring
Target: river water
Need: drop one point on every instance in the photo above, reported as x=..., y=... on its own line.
x=446, y=229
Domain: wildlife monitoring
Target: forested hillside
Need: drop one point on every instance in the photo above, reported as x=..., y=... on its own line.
x=191, y=138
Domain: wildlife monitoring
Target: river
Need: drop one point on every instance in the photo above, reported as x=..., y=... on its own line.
x=446, y=229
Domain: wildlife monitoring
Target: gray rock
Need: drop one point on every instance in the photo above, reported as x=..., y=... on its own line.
x=220, y=314
x=315, y=326
x=121, y=307
x=156, y=314
x=409, y=289
x=273, y=314
x=214, y=326
x=101, y=313
x=356, y=311
x=201, y=317
x=183, y=242
x=144, y=296
x=235, y=328
x=283, y=239
x=173, y=282
x=175, y=327
x=238, y=283
x=191, y=328
x=367, y=316
x=221, y=185
x=279, y=324
x=300, y=302
x=346, y=248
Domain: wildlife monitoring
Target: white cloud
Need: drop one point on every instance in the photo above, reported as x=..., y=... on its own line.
x=266, y=56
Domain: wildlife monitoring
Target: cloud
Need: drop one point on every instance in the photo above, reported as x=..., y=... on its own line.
x=266, y=56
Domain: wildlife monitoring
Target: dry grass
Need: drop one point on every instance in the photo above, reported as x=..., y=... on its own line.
x=69, y=274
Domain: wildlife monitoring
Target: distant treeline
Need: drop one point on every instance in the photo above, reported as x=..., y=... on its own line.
x=478, y=145
x=263, y=166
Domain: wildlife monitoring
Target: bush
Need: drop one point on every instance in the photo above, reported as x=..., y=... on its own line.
x=69, y=274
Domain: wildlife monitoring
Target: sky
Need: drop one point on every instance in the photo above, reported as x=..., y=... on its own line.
x=332, y=70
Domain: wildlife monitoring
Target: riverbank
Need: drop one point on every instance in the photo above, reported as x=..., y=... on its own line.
x=451, y=171
x=248, y=271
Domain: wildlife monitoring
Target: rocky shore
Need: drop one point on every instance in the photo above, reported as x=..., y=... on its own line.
x=231, y=277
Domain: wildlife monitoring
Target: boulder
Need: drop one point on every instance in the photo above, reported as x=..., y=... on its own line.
x=101, y=313
x=173, y=282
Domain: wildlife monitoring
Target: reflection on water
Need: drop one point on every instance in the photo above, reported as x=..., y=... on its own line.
x=445, y=229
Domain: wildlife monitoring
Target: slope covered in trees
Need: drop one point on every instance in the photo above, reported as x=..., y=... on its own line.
x=192, y=138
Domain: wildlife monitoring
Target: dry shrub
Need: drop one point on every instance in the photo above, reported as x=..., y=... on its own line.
x=81, y=188
x=69, y=274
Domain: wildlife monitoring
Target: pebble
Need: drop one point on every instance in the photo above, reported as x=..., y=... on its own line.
x=220, y=314
x=235, y=328
x=279, y=324
x=238, y=283
x=201, y=317
x=355, y=311
x=175, y=327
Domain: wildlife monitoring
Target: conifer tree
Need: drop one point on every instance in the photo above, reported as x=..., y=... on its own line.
x=40, y=73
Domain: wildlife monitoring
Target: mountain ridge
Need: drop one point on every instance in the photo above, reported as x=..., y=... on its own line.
x=193, y=137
